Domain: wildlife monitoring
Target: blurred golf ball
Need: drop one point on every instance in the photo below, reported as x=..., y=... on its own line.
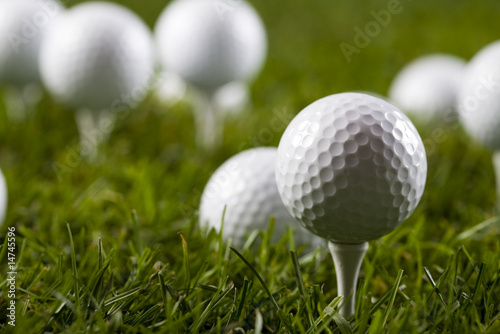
x=479, y=97
x=211, y=43
x=23, y=24
x=427, y=87
x=246, y=185
x=351, y=167
x=96, y=56
x=3, y=198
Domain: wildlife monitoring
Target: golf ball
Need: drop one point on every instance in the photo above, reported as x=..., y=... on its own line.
x=351, y=167
x=23, y=24
x=479, y=97
x=245, y=184
x=3, y=197
x=428, y=86
x=96, y=56
x=211, y=43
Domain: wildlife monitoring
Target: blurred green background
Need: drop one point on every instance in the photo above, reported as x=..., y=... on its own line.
x=305, y=62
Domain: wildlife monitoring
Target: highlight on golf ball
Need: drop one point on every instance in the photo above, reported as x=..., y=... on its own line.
x=351, y=167
x=245, y=187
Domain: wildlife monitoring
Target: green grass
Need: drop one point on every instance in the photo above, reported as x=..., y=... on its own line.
x=117, y=248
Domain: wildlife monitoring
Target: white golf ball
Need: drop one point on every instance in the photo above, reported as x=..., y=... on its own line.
x=211, y=43
x=246, y=185
x=23, y=24
x=351, y=167
x=479, y=97
x=96, y=56
x=3, y=198
x=427, y=87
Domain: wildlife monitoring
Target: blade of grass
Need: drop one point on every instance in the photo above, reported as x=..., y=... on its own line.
x=242, y=300
x=74, y=268
x=325, y=316
x=395, y=289
x=137, y=232
x=436, y=288
x=475, y=292
x=282, y=316
x=4, y=250
x=298, y=275
x=210, y=307
x=60, y=266
x=186, y=263
x=342, y=323
x=300, y=284
x=163, y=292
x=479, y=228
x=258, y=277
x=99, y=253
x=121, y=296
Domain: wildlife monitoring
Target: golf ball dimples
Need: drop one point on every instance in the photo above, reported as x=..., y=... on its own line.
x=428, y=86
x=22, y=27
x=479, y=98
x=351, y=167
x=96, y=54
x=245, y=184
x=211, y=43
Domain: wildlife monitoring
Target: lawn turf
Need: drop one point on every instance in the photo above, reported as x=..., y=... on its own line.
x=138, y=261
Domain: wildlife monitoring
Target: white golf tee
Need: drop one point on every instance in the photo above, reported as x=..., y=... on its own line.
x=21, y=101
x=94, y=128
x=347, y=259
x=209, y=130
x=496, y=166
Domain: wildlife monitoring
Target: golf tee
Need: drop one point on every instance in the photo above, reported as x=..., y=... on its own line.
x=94, y=128
x=496, y=166
x=207, y=123
x=347, y=259
x=14, y=104
x=21, y=101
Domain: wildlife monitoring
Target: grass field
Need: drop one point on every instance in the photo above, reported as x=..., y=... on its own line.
x=116, y=248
